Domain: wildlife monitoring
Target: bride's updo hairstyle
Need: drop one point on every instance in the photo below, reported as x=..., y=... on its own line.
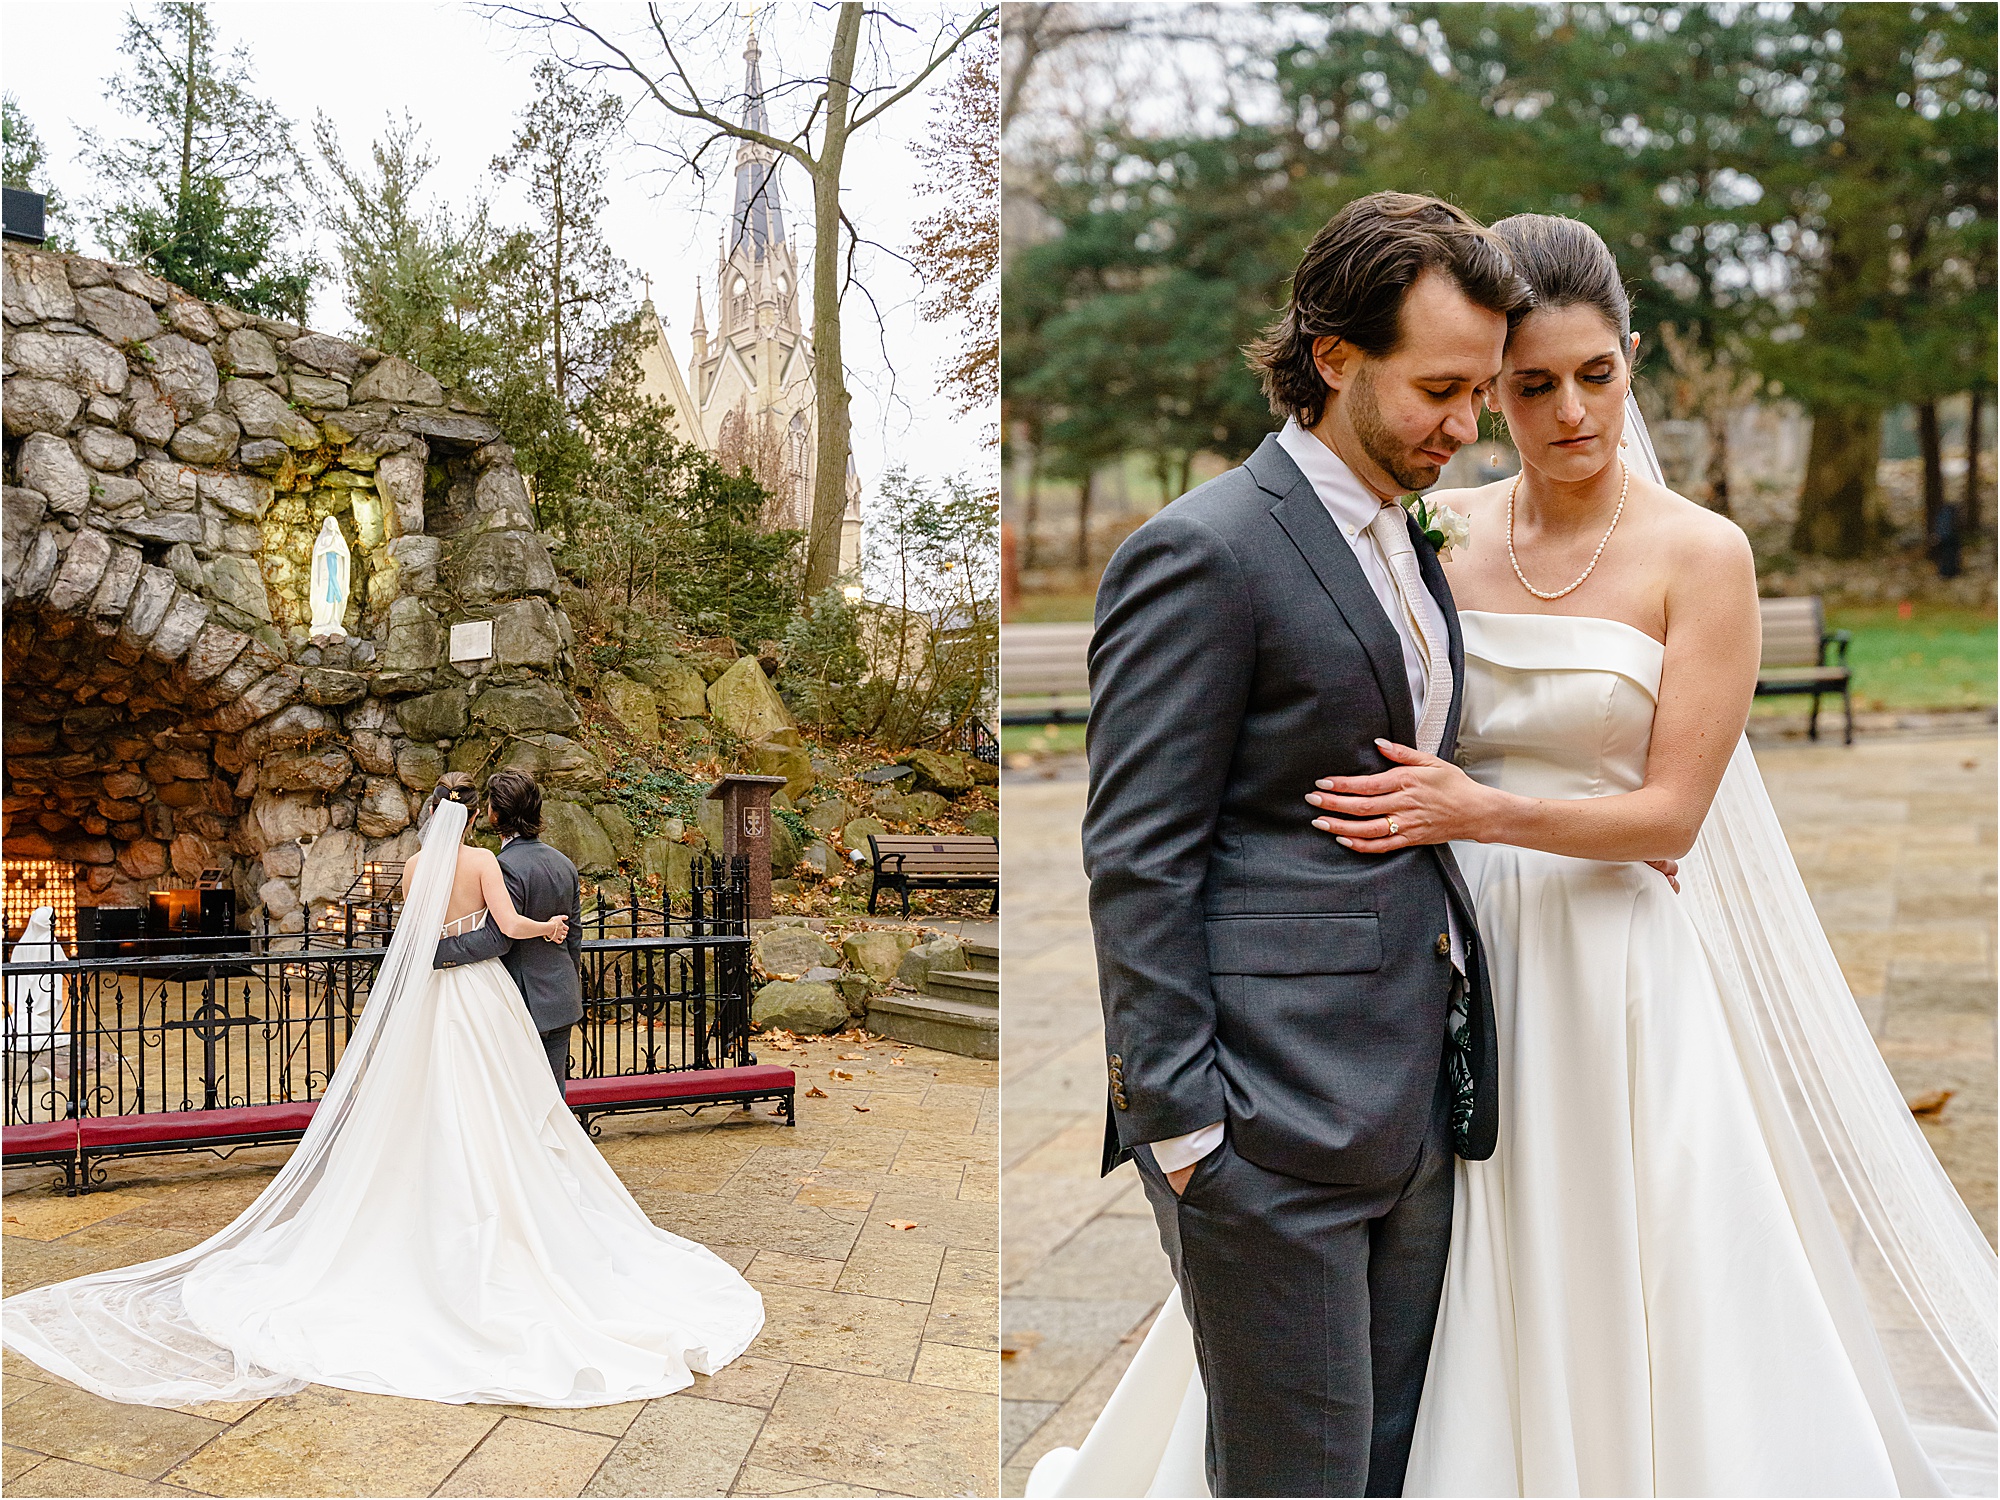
x=454, y=786
x=1566, y=265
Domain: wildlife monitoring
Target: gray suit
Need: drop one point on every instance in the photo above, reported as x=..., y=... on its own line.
x=1254, y=971
x=542, y=883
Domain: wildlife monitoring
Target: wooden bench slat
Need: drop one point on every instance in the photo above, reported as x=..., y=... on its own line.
x=1793, y=659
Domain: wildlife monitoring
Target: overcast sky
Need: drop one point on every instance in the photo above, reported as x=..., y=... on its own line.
x=465, y=79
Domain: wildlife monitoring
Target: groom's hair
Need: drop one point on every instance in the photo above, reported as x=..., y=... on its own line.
x=516, y=802
x=1353, y=278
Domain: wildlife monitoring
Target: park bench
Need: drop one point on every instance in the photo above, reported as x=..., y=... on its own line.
x=942, y=862
x=1796, y=647
x=78, y=1145
x=1044, y=673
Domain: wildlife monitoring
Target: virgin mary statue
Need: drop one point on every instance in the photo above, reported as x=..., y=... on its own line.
x=332, y=581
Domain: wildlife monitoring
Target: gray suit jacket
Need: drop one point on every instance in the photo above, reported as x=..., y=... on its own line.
x=542, y=883
x=1251, y=969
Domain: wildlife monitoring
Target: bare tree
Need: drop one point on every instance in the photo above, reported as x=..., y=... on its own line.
x=655, y=57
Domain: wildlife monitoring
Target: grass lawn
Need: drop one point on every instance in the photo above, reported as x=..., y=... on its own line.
x=1040, y=739
x=1052, y=609
x=1938, y=658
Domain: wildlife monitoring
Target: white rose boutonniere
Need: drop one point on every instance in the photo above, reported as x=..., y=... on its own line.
x=1443, y=527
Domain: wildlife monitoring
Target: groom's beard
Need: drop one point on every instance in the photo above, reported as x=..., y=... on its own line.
x=1403, y=463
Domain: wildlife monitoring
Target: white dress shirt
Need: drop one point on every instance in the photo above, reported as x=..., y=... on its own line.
x=1352, y=505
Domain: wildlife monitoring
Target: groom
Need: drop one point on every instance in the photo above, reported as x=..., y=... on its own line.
x=1298, y=1033
x=542, y=883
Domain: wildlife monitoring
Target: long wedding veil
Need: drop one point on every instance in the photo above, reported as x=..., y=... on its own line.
x=125, y=1334
x=1910, y=1278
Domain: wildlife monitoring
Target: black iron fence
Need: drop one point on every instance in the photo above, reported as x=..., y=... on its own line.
x=664, y=990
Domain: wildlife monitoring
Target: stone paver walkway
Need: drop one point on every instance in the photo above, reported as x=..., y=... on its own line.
x=1896, y=841
x=876, y=1372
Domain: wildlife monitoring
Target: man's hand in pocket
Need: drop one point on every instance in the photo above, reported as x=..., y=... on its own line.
x=1178, y=1181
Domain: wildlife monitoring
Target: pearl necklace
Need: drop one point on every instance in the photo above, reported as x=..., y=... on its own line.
x=1623, y=490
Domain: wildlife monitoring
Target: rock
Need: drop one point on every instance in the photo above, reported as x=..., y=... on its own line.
x=669, y=862
x=937, y=772
x=78, y=360
x=264, y=414
x=570, y=828
x=329, y=687
x=119, y=316
x=139, y=284
x=524, y=709
x=632, y=704
x=37, y=291
x=877, y=953
x=565, y=763
x=181, y=623
x=237, y=581
x=418, y=767
x=373, y=751
x=313, y=391
x=188, y=316
x=942, y=955
x=784, y=847
x=332, y=865
x=618, y=828
x=820, y=859
x=297, y=725
x=265, y=455
x=384, y=809
x=281, y=817
x=151, y=420
x=454, y=429
x=788, y=761
x=743, y=702
x=212, y=652
x=436, y=716
x=855, y=835
x=680, y=690
x=321, y=771
x=104, y=449
x=911, y=807
x=828, y=816
x=209, y=439
x=50, y=465
x=166, y=530
x=499, y=564
x=82, y=569
x=415, y=561
x=250, y=353
x=184, y=373
x=470, y=755
x=501, y=492
x=792, y=950
x=987, y=823
x=416, y=638
x=279, y=897
x=39, y=406
x=399, y=381
x=238, y=494
x=324, y=352
x=806, y=1009
x=525, y=634
x=855, y=990
x=983, y=773
x=399, y=479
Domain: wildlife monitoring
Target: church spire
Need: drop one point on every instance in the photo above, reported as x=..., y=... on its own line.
x=757, y=215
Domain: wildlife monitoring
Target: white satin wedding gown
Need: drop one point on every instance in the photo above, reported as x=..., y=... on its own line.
x=1649, y=1291
x=445, y=1230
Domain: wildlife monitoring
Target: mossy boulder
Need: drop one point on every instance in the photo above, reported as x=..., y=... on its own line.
x=680, y=691
x=743, y=702
x=987, y=823
x=793, y=950
x=940, y=773
x=855, y=835
x=942, y=955
x=632, y=704
x=789, y=761
x=618, y=828
x=796, y=1006
x=568, y=826
x=436, y=716
x=878, y=952
x=911, y=807
x=669, y=862
x=526, y=709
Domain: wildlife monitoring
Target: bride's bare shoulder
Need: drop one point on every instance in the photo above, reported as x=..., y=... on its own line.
x=1695, y=536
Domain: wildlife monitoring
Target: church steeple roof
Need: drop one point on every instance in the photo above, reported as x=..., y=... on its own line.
x=758, y=214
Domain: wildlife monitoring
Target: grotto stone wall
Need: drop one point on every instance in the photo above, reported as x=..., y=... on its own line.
x=168, y=464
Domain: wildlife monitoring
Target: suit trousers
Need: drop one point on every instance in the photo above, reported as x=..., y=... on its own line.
x=1312, y=1307
x=556, y=1044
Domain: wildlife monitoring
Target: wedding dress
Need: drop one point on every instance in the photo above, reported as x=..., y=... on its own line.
x=445, y=1230
x=1713, y=1254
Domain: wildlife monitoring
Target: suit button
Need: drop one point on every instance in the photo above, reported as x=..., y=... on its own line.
x=1444, y=945
x=1118, y=1097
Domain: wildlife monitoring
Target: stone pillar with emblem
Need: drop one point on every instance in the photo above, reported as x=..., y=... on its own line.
x=746, y=832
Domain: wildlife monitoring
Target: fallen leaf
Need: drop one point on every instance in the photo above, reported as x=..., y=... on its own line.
x=852, y=1056
x=839, y=1073
x=902, y=1223
x=896, y=1062
x=1931, y=1105
x=1016, y=1344
x=861, y=1109
x=815, y=1092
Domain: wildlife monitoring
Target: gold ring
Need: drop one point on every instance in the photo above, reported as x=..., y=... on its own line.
x=1392, y=828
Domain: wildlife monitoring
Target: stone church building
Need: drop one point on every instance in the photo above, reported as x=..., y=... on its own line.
x=747, y=396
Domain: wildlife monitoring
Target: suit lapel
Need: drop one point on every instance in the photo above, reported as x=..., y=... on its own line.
x=1432, y=572
x=1328, y=554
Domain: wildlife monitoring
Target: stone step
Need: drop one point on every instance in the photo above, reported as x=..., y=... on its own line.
x=985, y=956
x=931, y=1021
x=968, y=985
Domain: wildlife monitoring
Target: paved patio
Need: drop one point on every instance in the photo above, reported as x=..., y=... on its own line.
x=1896, y=840
x=876, y=1372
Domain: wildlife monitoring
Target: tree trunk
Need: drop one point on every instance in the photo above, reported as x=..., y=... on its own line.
x=1932, y=448
x=1838, y=507
x=1031, y=505
x=1718, y=462
x=1083, y=496
x=191, y=20
x=1970, y=523
x=830, y=399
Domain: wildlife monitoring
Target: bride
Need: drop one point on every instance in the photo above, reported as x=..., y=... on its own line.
x=445, y=1230
x=1712, y=1254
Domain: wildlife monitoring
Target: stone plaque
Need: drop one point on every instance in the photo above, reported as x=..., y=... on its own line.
x=472, y=641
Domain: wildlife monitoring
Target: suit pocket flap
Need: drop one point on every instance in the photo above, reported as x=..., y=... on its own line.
x=1341, y=943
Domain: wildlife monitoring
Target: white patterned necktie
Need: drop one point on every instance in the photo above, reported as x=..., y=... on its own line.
x=1392, y=534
